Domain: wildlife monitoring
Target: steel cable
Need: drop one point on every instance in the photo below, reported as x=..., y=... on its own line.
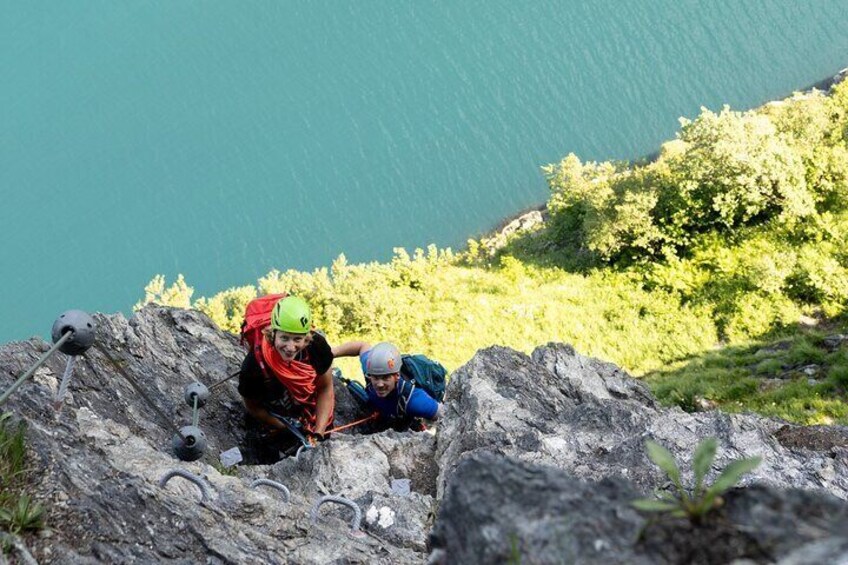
x=139, y=390
x=66, y=379
x=65, y=337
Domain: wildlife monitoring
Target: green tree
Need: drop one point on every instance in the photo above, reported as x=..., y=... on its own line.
x=737, y=169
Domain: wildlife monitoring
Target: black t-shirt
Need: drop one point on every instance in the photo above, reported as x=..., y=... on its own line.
x=253, y=383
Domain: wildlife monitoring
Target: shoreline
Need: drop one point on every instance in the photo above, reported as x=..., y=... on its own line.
x=501, y=225
x=824, y=85
x=827, y=83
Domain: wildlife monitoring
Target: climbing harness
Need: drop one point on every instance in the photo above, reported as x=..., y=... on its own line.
x=292, y=425
x=201, y=484
x=357, y=513
x=273, y=484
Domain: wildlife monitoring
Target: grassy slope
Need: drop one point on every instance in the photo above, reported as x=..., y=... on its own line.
x=610, y=316
x=522, y=307
x=802, y=377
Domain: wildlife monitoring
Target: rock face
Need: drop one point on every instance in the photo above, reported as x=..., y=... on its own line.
x=500, y=510
x=537, y=460
x=526, y=223
x=98, y=461
x=591, y=420
x=573, y=431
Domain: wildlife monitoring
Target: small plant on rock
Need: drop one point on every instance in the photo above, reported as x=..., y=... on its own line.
x=696, y=502
x=24, y=516
x=18, y=511
x=231, y=471
x=12, y=455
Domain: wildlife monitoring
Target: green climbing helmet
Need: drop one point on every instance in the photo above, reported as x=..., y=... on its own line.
x=291, y=314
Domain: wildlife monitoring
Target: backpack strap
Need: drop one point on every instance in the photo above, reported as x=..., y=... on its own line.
x=260, y=359
x=405, y=389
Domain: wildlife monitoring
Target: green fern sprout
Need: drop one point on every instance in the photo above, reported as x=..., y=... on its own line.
x=693, y=503
x=24, y=516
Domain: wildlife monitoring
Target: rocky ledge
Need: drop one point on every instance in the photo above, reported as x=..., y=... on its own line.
x=536, y=461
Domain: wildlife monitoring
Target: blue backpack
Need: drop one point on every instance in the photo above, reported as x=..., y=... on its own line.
x=420, y=371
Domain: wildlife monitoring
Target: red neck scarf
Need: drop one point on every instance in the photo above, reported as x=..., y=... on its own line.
x=298, y=378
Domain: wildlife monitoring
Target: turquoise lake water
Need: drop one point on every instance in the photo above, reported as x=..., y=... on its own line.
x=224, y=139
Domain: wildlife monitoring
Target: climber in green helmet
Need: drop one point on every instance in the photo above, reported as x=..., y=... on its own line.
x=287, y=374
x=291, y=324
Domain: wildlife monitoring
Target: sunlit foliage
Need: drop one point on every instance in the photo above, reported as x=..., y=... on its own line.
x=732, y=233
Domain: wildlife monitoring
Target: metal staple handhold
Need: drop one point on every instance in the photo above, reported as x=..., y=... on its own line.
x=267, y=482
x=201, y=484
x=357, y=513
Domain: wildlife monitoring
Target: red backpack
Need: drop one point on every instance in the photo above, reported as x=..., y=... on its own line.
x=257, y=317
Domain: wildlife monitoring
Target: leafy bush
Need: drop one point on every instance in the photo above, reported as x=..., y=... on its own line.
x=769, y=367
x=839, y=376
x=227, y=307
x=430, y=302
x=178, y=294
x=784, y=163
x=744, y=211
x=804, y=352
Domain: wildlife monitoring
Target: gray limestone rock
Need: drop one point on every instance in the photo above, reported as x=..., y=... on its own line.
x=98, y=460
x=570, y=426
x=590, y=376
x=498, y=509
x=548, y=412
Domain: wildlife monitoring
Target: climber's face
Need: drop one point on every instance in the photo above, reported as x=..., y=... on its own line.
x=383, y=384
x=289, y=345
